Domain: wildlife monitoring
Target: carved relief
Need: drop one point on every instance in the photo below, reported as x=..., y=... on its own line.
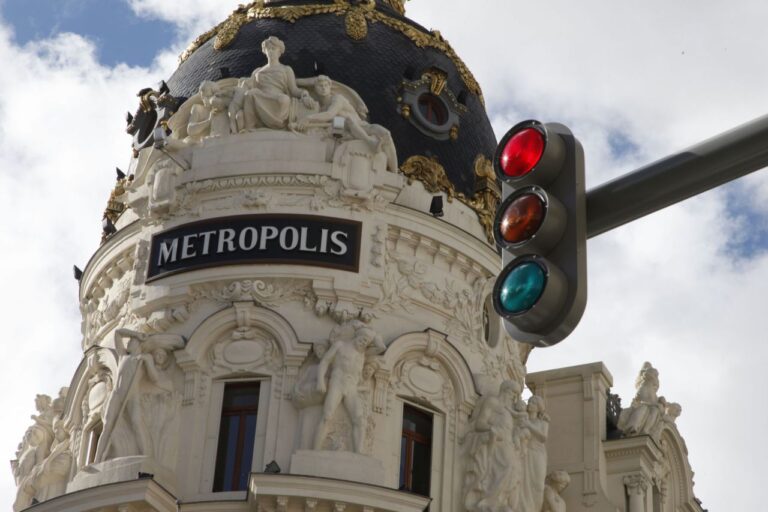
x=649, y=413
x=379, y=247
x=140, y=415
x=506, y=458
x=556, y=483
x=107, y=299
x=161, y=181
x=339, y=373
x=43, y=460
x=405, y=274
x=247, y=349
x=424, y=378
x=272, y=98
x=263, y=292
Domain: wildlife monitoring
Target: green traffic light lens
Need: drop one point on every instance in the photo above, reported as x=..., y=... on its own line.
x=522, y=288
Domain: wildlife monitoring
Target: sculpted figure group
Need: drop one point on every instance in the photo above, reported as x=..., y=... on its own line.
x=649, y=413
x=137, y=413
x=44, y=460
x=273, y=98
x=506, y=453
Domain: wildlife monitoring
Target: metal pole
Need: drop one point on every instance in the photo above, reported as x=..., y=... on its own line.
x=697, y=169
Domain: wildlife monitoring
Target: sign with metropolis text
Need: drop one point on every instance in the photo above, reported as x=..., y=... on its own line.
x=256, y=239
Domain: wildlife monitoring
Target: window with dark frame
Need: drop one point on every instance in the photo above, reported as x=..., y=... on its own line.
x=433, y=109
x=237, y=434
x=416, y=451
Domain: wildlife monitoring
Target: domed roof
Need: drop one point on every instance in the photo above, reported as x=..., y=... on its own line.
x=412, y=81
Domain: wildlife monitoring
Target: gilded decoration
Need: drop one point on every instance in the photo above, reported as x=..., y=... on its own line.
x=356, y=24
x=116, y=207
x=226, y=32
x=432, y=175
x=397, y=5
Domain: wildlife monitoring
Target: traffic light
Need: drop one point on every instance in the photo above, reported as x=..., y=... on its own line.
x=540, y=227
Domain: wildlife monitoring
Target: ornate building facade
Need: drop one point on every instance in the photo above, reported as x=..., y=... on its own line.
x=290, y=309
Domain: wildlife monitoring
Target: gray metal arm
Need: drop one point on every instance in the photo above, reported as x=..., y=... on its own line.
x=697, y=169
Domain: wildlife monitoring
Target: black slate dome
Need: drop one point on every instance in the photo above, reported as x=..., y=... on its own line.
x=370, y=47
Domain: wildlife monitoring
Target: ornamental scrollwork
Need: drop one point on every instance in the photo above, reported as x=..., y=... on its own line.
x=405, y=274
x=264, y=292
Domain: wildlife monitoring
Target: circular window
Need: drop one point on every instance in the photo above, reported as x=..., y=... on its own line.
x=433, y=109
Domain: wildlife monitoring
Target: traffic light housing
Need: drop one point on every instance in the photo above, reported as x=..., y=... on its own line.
x=540, y=227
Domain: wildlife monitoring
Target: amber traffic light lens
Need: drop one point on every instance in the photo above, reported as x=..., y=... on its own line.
x=522, y=218
x=522, y=152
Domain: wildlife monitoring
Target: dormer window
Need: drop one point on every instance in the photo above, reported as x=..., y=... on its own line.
x=430, y=106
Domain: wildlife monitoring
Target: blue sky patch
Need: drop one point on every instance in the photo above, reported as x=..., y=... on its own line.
x=120, y=35
x=750, y=236
x=621, y=145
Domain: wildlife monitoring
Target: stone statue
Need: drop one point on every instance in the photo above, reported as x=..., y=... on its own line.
x=273, y=98
x=536, y=428
x=210, y=117
x=266, y=98
x=138, y=409
x=494, y=451
x=33, y=450
x=556, y=483
x=162, y=185
x=54, y=473
x=336, y=105
x=351, y=344
x=648, y=412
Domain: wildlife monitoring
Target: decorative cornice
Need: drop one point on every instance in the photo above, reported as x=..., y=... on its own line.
x=356, y=25
x=487, y=193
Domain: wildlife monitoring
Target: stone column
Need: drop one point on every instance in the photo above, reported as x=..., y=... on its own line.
x=636, y=486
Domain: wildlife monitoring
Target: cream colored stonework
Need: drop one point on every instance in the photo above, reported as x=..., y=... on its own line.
x=337, y=353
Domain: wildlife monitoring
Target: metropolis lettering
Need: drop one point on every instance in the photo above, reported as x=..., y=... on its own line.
x=268, y=239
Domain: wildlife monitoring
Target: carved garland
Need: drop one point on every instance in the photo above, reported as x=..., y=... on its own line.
x=432, y=175
x=356, y=18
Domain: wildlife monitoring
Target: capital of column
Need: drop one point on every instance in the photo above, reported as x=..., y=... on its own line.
x=636, y=484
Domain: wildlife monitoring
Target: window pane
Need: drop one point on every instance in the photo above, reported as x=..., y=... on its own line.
x=421, y=468
x=416, y=451
x=227, y=453
x=239, y=396
x=403, y=458
x=417, y=421
x=236, y=437
x=247, y=452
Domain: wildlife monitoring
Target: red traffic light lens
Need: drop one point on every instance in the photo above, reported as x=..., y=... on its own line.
x=522, y=218
x=522, y=152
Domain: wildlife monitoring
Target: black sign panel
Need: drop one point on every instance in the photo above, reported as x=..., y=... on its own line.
x=287, y=239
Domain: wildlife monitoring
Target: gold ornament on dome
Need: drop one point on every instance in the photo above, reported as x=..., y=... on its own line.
x=397, y=5
x=432, y=175
x=355, y=22
x=226, y=32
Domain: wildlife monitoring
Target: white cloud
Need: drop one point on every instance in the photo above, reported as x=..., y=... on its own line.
x=61, y=135
x=663, y=75
x=191, y=16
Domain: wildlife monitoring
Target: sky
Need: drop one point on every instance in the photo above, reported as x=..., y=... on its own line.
x=635, y=81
